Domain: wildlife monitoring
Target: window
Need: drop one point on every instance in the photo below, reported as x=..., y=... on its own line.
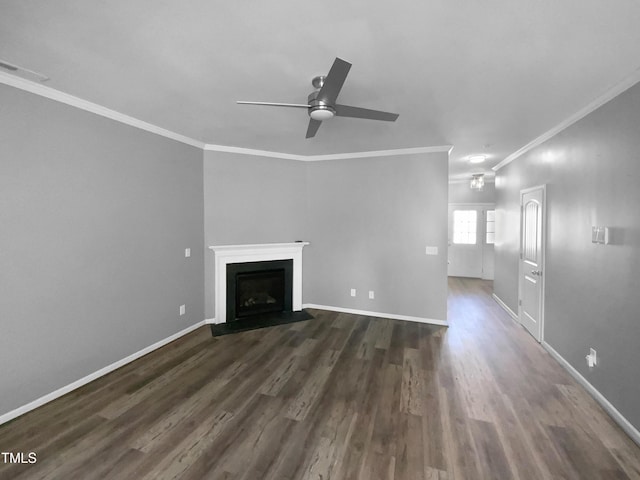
x=465, y=226
x=491, y=227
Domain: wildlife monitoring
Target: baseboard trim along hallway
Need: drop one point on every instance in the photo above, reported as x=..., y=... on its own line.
x=595, y=393
x=93, y=376
x=511, y=313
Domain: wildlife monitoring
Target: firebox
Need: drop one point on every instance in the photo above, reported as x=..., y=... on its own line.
x=259, y=288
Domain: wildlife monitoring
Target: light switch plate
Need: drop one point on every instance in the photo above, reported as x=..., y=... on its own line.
x=431, y=250
x=187, y=252
x=600, y=235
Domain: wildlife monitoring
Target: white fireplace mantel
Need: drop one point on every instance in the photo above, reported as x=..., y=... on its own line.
x=225, y=254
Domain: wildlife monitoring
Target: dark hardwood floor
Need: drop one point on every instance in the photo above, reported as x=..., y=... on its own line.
x=338, y=397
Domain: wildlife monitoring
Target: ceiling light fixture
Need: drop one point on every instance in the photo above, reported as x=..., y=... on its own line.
x=322, y=112
x=477, y=158
x=477, y=181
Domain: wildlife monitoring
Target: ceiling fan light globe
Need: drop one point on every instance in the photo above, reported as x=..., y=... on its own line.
x=321, y=114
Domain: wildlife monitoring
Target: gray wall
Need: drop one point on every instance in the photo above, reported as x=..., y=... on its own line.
x=250, y=199
x=94, y=220
x=592, y=172
x=459, y=192
x=370, y=221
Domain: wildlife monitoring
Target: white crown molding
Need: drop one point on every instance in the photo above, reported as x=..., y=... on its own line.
x=95, y=375
x=58, y=96
x=250, y=151
x=591, y=107
x=336, y=156
x=382, y=153
x=53, y=94
x=393, y=316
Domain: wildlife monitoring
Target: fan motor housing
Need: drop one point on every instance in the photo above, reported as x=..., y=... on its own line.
x=319, y=110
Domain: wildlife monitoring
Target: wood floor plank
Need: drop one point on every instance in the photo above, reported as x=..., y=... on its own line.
x=521, y=453
x=536, y=434
x=190, y=448
x=591, y=460
x=409, y=456
x=253, y=434
x=462, y=459
x=490, y=451
x=433, y=439
x=312, y=389
x=411, y=392
x=279, y=378
x=396, y=345
x=338, y=397
x=158, y=432
x=384, y=334
x=146, y=389
x=387, y=417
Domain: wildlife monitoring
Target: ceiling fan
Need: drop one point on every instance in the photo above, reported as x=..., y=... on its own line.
x=321, y=103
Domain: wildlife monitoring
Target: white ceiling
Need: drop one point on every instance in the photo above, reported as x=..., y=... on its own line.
x=485, y=76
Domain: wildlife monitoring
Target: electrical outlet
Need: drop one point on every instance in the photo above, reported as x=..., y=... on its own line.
x=353, y=292
x=371, y=295
x=187, y=252
x=183, y=309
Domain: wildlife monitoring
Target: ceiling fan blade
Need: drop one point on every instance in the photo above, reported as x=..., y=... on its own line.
x=314, y=125
x=357, y=112
x=334, y=81
x=272, y=104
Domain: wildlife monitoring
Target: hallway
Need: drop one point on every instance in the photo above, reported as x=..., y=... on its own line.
x=541, y=423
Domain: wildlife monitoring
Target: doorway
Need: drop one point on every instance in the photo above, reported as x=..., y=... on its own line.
x=471, y=239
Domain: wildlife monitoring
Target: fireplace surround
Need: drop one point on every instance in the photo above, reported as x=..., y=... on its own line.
x=226, y=255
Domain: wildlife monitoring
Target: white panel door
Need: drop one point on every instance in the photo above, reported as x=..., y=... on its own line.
x=530, y=310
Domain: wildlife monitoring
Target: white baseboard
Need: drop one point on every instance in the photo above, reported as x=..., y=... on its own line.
x=392, y=316
x=604, y=403
x=211, y=321
x=93, y=376
x=511, y=313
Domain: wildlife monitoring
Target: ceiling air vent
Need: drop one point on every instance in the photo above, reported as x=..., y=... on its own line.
x=22, y=72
